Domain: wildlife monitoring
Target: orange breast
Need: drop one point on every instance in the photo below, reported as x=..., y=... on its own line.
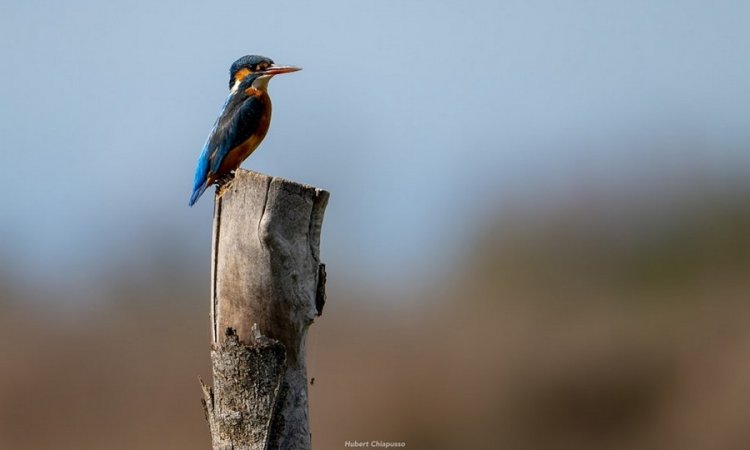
x=239, y=153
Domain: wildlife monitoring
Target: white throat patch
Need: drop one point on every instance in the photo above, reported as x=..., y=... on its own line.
x=262, y=82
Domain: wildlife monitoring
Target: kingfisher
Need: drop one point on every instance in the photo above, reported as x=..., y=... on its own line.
x=242, y=123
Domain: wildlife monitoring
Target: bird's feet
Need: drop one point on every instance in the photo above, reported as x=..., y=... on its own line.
x=222, y=184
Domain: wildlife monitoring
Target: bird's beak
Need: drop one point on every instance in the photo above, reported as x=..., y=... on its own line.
x=275, y=70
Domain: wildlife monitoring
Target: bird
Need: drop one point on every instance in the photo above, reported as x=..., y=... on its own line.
x=242, y=124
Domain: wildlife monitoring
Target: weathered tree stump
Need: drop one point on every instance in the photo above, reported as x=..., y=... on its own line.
x=267, y=287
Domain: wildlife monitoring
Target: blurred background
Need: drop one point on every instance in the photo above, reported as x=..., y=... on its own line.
x=537, y=236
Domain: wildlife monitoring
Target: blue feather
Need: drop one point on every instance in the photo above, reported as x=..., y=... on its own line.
x=200, y=182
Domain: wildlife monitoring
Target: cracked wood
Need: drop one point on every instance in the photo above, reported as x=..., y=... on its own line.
x=267, y=286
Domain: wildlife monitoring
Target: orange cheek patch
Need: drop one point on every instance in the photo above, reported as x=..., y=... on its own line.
x=241, y=74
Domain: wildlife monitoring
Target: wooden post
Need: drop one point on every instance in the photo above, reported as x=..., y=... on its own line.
x=267, y=286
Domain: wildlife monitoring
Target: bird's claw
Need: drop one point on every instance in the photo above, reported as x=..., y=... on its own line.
x=222, y=184
x=221, y=190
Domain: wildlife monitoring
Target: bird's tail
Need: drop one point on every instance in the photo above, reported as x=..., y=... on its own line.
x=201, y=179
x=197, y=192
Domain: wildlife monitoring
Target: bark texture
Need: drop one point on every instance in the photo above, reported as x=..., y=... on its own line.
x=267, y=287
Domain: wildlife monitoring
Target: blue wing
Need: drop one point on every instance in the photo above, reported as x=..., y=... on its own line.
x=200, y=182
x=239, y=119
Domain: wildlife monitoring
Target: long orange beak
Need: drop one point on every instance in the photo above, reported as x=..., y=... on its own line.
x=275, y=70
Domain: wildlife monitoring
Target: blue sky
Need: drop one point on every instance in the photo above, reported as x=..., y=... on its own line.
x=420, y=117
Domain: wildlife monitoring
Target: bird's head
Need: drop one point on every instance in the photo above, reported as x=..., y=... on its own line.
x=257, y=70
